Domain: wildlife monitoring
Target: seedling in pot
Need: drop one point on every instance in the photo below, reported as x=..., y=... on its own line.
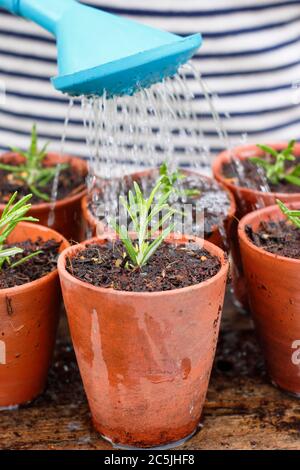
x=170, y=183
x=11, y=216
x=33, y=172
x=277, y=172
x=292, y=215
x=149, y=232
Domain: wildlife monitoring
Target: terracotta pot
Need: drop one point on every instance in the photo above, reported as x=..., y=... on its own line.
x=95, y=227
x=65, y=216
x=247, y=200
x=273, y=283
x=145, y=358
x=28, y=323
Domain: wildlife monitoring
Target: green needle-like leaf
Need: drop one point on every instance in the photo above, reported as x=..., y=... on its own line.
x=292, y=179
x=33, y=145
x=12, y=169
x=142, y=211
x=11, y=216
x=296, y=171
x=292, y=215
x=8, y=252
x=170, y=183
x=39, y=194
x=260, y=162
x=156, y=244
x=26, y=258
x=267, y=149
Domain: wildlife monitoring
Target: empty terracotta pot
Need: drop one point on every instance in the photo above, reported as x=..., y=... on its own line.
x=65, y=215
x=273, y=284
x=247, y=200
x=145, y=358
x=95, y=227
x=28, y=323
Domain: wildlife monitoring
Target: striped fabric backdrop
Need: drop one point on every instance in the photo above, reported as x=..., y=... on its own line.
x=250, y=58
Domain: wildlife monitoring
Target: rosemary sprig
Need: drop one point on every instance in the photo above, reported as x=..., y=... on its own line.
x=149, y=232
x=277, y=172
x=170, y=183
x=11, y=216
x=32, y=171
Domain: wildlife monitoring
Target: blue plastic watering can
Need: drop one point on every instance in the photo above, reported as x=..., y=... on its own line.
x=98, y=51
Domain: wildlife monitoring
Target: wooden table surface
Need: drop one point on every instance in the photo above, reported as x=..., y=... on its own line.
x=242, y=410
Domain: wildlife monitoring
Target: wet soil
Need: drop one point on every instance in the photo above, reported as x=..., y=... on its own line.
x=171, y=267
x=252, y=178
x=280, y=238
x=70, y=183
x=212, y=200
x=34, y=268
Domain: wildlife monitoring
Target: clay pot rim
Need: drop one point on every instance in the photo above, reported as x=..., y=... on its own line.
x=210, y=247
x=230, y=214
x=256, y=215
x=43, y=279
x=242, y=152
x=61, y=202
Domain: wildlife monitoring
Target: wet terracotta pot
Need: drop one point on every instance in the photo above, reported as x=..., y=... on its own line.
x=247, y=200
x=273, y=283
x=28, y=323
x=65, y=216
x=145, y=358
x=93, y=227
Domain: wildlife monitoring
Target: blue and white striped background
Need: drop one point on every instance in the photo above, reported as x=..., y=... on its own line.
x=250, y=57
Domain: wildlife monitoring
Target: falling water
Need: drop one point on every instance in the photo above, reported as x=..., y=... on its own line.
x=9, y=408
x=263, y=184
x=223, y=135
x=130, y=133
x=54, y=192
x=220, y=128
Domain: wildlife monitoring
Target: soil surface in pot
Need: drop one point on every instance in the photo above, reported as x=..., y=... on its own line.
x=280, y=238
x=34, y=268
x=254, y=175
x=212, y=199
x=171, y=267
x=70, y=183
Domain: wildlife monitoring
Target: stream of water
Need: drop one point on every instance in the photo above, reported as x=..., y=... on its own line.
x=54, y=192
x=133, y=133
x=140, y=131
x=224, y=137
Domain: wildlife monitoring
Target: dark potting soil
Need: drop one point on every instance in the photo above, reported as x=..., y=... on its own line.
x=280, y=238
x=252, y=178
x=212, y=200
x=34, y=268
x=70, y=183
x=171, y=267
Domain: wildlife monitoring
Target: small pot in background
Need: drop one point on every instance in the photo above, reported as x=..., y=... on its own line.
x=273, y=284
x=28, y=323
x=247, y=200
x=65, y=215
